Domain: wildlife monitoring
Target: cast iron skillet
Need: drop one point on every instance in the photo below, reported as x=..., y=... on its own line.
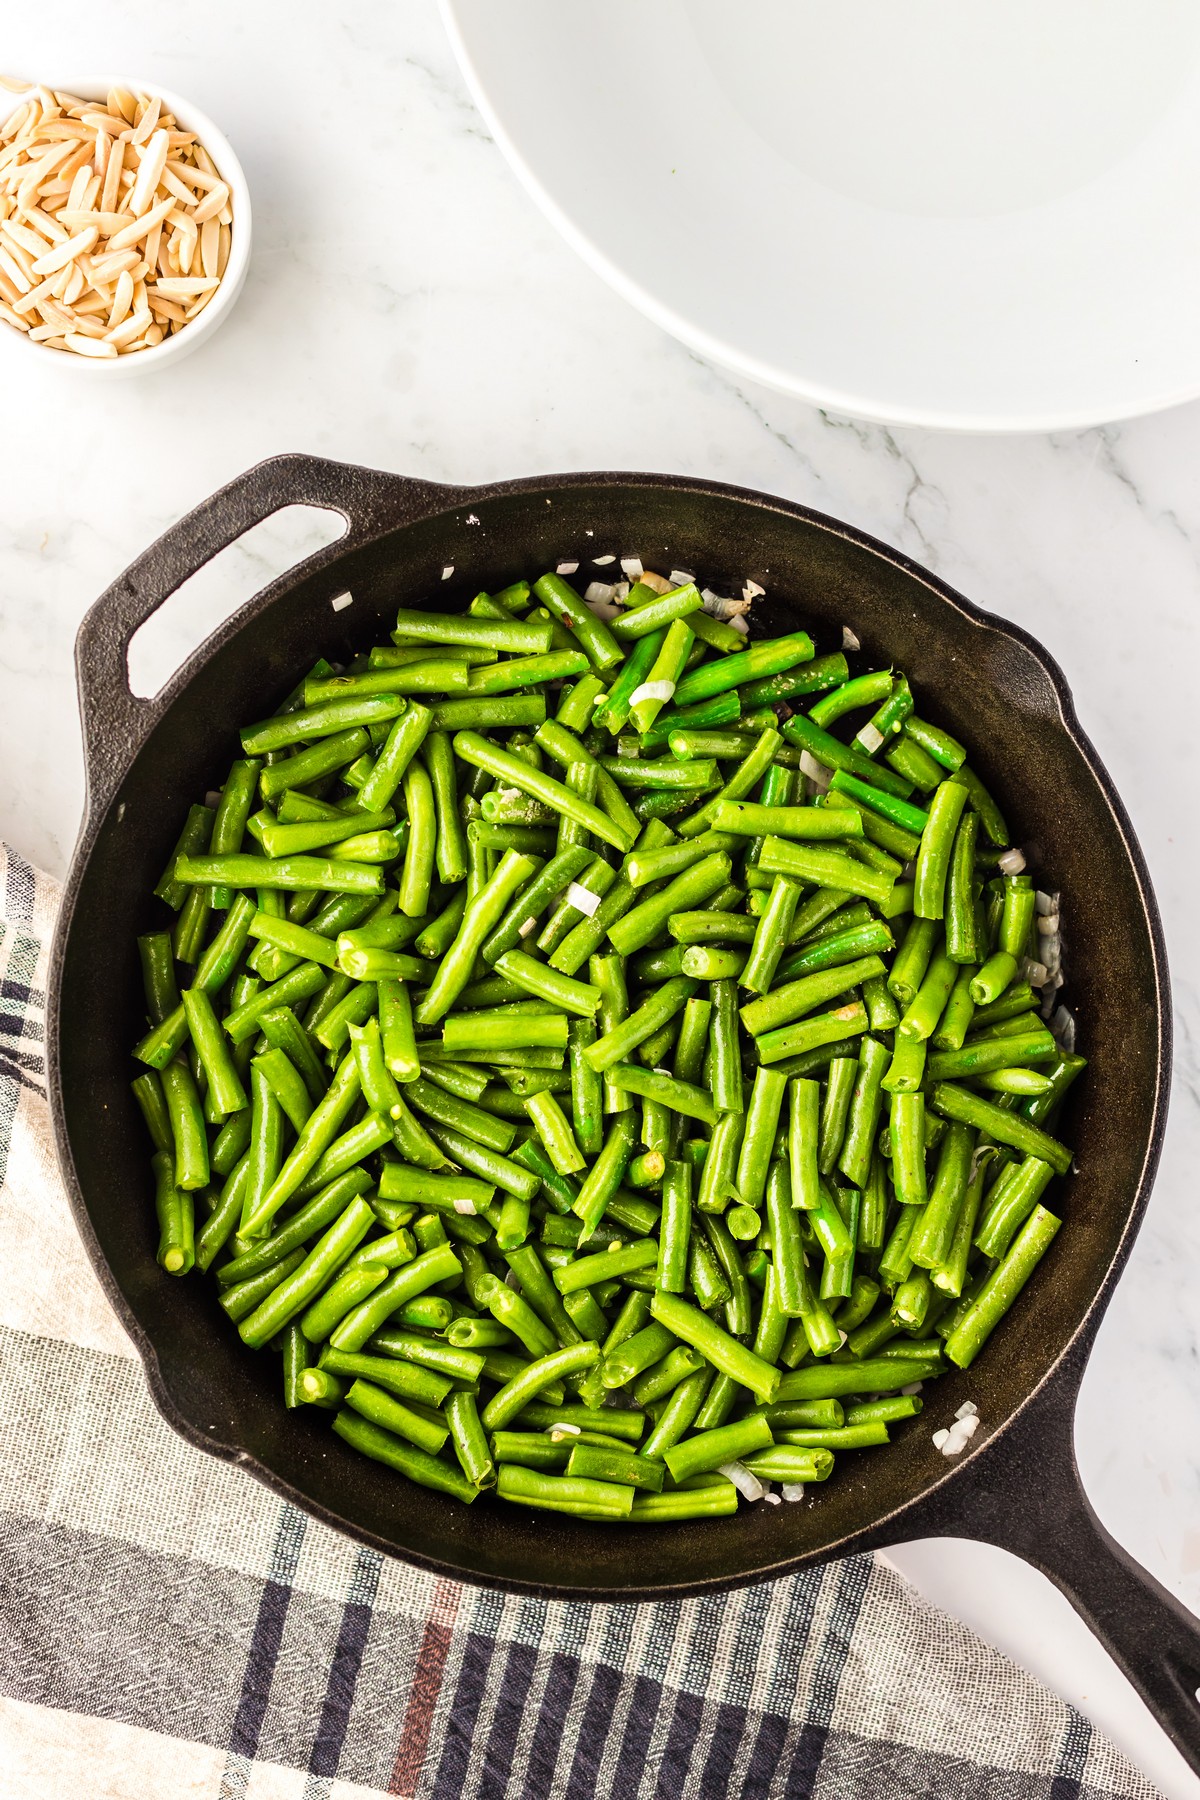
x=146, y=760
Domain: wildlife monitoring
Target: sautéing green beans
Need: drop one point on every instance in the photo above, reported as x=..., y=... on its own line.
x=605, y=1059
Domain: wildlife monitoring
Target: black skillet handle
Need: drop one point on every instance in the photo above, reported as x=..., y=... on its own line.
x=1024, y=1494
x=115, y=721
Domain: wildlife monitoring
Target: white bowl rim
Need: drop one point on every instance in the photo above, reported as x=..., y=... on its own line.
x=733, y=357
x=192, y=118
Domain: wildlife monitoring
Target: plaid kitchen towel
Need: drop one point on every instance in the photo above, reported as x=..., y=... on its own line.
x=171, y=1631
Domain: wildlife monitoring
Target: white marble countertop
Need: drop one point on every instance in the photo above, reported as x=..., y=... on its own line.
x=408, y=308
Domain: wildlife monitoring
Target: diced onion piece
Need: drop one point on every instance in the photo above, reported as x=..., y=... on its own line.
x=651, y=690
x=566, y=568
x=583, y=900
x=465, y=1206
x=751, y=591
x=771, y=1498
x=601, y=560
x=870, y=737
x=598, y=590
x=1035, y=973
x=747, y=1485
x=967, y=1410
x=939, y=1437
x=527, y=927
x=793, y=1491
x=913, y=1387
x=849, y=640
x=681, y=577
x=1011, y=863
x=447, y=571
x=632, y=566
x=1047, y=903
x=816, y=771
x=658, y=584
x=560, y=1429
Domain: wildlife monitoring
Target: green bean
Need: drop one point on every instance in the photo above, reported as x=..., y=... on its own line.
x=383, y=1446
x=908, y=1148
x=935, y=742
x=990, y=817
x=1001, y=1288
x=717, y=1177
x=676, y=1228
x=561, y=1493
x=769, y=657
x=1009, y=1210
x=175, y=1210
x=560, y=599
x=808, y=678
x=906, y=1071
x=807, y=1034
x=827, y=868
x=555, y=1133
x=863, y=1120
x=922, y=1016
x=762, y=1122
x=712, y=1449
x=677, y=1096
x=745, y=777
x=724, y=1352
x=957, y=1103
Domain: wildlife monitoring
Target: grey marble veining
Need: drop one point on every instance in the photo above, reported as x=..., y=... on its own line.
x=408, y=307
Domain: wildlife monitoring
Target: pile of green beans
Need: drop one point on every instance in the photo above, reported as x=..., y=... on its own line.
x=586, y=1068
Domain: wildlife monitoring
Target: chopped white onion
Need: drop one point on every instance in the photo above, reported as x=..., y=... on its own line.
x=681, y=577
x=510, y=1280
x=600, y=561
x=565, y=568
x=651, y=690
x=561, y=1429
x=1047, y=903
x=939, y=1437
x=1047, y=923
x=968, y=1426
x=1035, y=973
x=621, y=593
x=603, y=609
x=598, y=590
x=719, y=606
x=1063, y=1027
x=583, y=900
x=967, y=1410
x=770, y=1498
x=340, y=602
x=658, y=584
x=447, y=571
x=751, y=591
x=816, y=771
x=958, y=1437
x=632, y=566
x=740, y=623
x=465, y=1206
x=747, y=1485
x=527, y=927
x=849, y=640
x=870, y=737
x=793, y=1491
x=1012, y=862
x=212, y=798
x=913, y=1387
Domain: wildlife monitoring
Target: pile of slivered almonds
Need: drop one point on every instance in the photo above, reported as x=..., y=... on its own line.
x=115, y=226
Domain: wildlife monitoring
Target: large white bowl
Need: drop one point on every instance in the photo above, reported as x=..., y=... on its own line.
x=934, y=212
x=182, y=343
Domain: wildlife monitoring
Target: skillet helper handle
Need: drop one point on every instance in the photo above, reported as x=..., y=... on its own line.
x=1023, y=1492
x=115, y=721
x=1152, y=1637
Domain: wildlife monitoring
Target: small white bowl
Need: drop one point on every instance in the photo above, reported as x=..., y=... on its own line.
x=230, y=170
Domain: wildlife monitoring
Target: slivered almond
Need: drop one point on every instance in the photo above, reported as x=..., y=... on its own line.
x=122, y=299
x=131, y=328
x=13, y=318
x=112, y=178
x=88, y=346
x=61, y=254
x=154, y=161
